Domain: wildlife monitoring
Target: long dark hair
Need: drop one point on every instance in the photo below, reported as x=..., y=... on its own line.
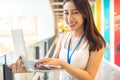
x=95, y=39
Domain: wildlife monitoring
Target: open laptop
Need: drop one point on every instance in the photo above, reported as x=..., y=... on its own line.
x=20, y=48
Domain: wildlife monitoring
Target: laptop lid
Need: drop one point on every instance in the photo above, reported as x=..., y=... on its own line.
x=20, y=49
x=18, y=42
x=19, y=46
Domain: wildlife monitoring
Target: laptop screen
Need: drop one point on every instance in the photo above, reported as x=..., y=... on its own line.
x=18, y=42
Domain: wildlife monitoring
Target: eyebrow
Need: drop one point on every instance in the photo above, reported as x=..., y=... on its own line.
x=71, y=10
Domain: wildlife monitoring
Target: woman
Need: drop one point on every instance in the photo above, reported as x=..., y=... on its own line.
x=81, y=50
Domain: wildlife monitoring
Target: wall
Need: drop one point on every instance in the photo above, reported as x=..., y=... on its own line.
x=35, y=17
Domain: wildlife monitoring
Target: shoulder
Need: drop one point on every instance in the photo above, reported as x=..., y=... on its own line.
x=63, y=36
x=94, y=61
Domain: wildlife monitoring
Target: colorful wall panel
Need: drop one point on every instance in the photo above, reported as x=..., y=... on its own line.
x=106, y=28
x=93, y=9
x=98, y=15
x=98, y=7
x=117, y=31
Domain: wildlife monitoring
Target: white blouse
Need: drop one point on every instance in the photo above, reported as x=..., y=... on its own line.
x=79, y=58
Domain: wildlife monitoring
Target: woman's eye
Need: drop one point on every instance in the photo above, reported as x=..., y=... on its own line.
x=66, y=13
x=76, y=12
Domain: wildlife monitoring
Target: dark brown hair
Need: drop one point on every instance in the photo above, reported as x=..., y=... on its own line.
x=95, y=39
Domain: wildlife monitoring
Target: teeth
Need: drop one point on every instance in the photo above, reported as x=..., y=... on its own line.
x=72, y=23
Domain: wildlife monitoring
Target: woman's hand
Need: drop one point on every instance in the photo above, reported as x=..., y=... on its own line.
x=18, y=66
x=48, y=61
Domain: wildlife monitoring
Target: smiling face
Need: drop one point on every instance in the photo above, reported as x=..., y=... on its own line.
x=72, y=17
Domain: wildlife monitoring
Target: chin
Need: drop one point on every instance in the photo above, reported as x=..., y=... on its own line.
x=71, y=29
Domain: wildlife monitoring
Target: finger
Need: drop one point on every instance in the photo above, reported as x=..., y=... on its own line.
x=42, y=62
x=44, y=59
x=20, y=57
x=10, y=66
x=37, y=63
x=18, y=66
x=14, y=68
x=20, y=62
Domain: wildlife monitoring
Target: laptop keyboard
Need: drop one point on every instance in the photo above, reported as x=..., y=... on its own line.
x=39, y=67
x=42, y=67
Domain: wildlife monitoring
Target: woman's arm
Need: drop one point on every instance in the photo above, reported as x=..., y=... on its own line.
x=18, y=66
x=58, y=47
x=91, y=69
x=87, y=74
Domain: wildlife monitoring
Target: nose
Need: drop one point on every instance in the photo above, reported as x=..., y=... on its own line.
x=70, y=18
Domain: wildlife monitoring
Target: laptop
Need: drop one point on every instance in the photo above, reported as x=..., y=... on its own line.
x=20, y=48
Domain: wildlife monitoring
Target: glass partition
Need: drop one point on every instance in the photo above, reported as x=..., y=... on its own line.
x=33, y=52
x=1, y=72
x=2, y=60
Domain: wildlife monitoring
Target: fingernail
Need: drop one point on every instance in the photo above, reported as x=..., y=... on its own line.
x=9, y=66
x=20, y=57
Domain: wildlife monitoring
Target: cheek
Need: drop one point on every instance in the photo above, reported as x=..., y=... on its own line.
x=79, y=20
x=65, y=19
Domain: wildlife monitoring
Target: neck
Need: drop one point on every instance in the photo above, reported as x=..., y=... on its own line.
x=77, y=34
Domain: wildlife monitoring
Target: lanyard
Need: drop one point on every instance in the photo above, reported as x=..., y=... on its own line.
x=68, y=55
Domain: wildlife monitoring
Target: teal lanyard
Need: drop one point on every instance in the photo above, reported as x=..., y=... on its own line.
x=70, y=56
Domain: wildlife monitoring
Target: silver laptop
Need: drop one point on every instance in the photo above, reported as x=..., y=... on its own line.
x=20, y=48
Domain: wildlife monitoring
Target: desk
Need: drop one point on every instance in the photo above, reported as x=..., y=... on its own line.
x=37, y=75
x=44, y=47
x=1, y=72
x=55, y=74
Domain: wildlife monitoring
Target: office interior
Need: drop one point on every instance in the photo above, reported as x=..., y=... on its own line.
x=42, y=23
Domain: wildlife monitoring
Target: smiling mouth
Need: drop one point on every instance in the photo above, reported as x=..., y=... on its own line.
x=72, y=24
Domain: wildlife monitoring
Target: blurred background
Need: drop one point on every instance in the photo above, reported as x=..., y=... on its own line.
x=42, y=22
